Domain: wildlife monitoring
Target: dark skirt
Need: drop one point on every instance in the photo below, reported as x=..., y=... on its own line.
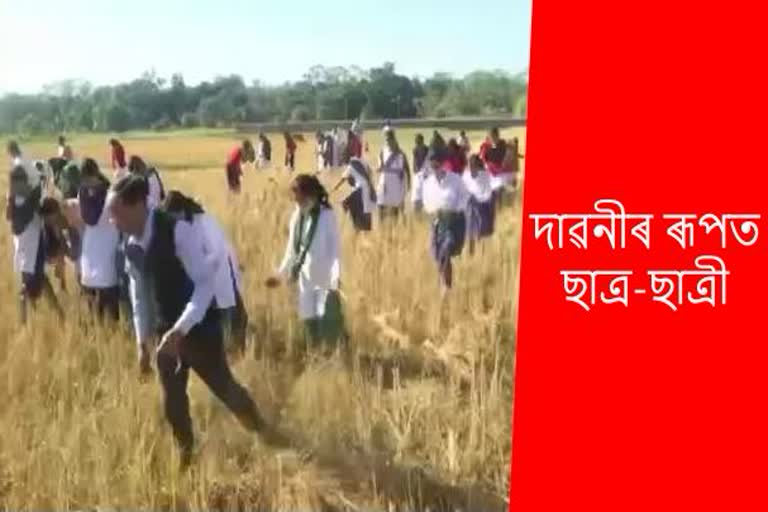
x=480, y=219
x=32, y=283
x=353, y=204
x=328, y=329
x=233, y=178
x=448, y=234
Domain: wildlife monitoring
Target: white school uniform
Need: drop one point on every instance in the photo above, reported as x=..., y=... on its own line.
x=362, y=184
x=391, y=186
x=98, y=257
x=320, y=272
x=222, y=255
x=479, y=187
x=153, y=198
x=446, y=194
x=27, y=243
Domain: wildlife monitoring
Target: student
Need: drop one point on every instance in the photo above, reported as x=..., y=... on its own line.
x=265, y=151
x=394, y=178
x=464, y=143
x=45, y=173
x=68, y=180
x=480, y=207
x=63, y=228
x=311, y=260
x=156, y=189
x=320, y=150
x=290, y=151
x=445, y=197
x=64, y=150
x=455, y=160
x=119, y=166
x=437, y=142
x=98, y=258
x=493, y=152
x=354, y=146
x=360, y=202
x=172, y=291
x=237, y=157
x=228, y=284
x=420, y=152
x=22, y=206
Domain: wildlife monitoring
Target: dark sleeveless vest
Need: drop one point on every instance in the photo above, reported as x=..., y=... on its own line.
x=171, y=286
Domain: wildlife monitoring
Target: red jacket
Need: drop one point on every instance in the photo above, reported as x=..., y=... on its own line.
x=355, y=147
x=233, y=160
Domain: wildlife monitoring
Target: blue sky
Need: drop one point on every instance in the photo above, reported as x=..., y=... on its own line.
x=105, y=42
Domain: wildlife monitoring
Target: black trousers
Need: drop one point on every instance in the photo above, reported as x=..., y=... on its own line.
x=104, y=302
x=203, y=352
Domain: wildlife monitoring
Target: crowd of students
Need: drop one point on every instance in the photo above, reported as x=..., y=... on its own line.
x=160, y=261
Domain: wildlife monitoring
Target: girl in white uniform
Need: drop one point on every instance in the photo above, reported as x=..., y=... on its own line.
x=99, y=249
x=228, y=282
x=22, y=212
x=394, y=178
x=312, y=261
x=361, y=201
x=156, y=190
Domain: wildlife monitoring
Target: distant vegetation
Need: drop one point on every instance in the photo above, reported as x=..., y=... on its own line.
x=336, y=93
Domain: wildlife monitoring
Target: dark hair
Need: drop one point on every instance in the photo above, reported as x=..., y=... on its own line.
x=39, y=165
x=176, y=202
x=90, y=169
x=62, y=140
x=19, y=173
x=308, y=185
x=114, y=142
x=419, y=138
x=131, y=189
x=13, y=147
x=475, y=161
x=50, y=206
x=436, y=154
x=136, y=164
x=462, y=133
x=494, y=131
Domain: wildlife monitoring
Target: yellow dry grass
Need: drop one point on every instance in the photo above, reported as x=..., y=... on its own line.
x=433, y=391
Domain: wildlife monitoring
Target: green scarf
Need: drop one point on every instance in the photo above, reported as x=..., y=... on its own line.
x=313, y=215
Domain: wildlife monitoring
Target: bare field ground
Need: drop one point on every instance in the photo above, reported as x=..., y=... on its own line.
x=420, y=420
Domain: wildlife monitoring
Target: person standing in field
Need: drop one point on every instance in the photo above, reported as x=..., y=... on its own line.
x=311, y=261
x=394, y=178
x=172, y=291
x=445, y=198
x=234, y=170
x=354, y=146
x=22, y=212
x=64, y=150
x=320, y=150
x=420, y=151
x=493, y=153
x=227, y=280
x=290, y=151
x=361, y=201
x=480, y=208
x=98, y=257
x=455, y=160
x=265, y=151
x=62, y=235
x=119, y=166
x=464, y=143
x=156, y=189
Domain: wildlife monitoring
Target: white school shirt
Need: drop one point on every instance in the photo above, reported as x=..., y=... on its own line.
x=391, y=187
x=153, y=198
x=362, y=184
x=223, y=258
x=320, y=272
x=417, y=192
x=98, y=256
x=190, y=250
x=446, y=194
x=25, y=246
x=479, y=187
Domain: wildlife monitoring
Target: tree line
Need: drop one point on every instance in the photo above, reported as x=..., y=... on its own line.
x=323, y=93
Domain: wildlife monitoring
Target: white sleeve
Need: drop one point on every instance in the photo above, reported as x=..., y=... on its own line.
x=201, y=271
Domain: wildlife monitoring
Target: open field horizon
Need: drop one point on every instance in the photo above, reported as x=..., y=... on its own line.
x=421, y=419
